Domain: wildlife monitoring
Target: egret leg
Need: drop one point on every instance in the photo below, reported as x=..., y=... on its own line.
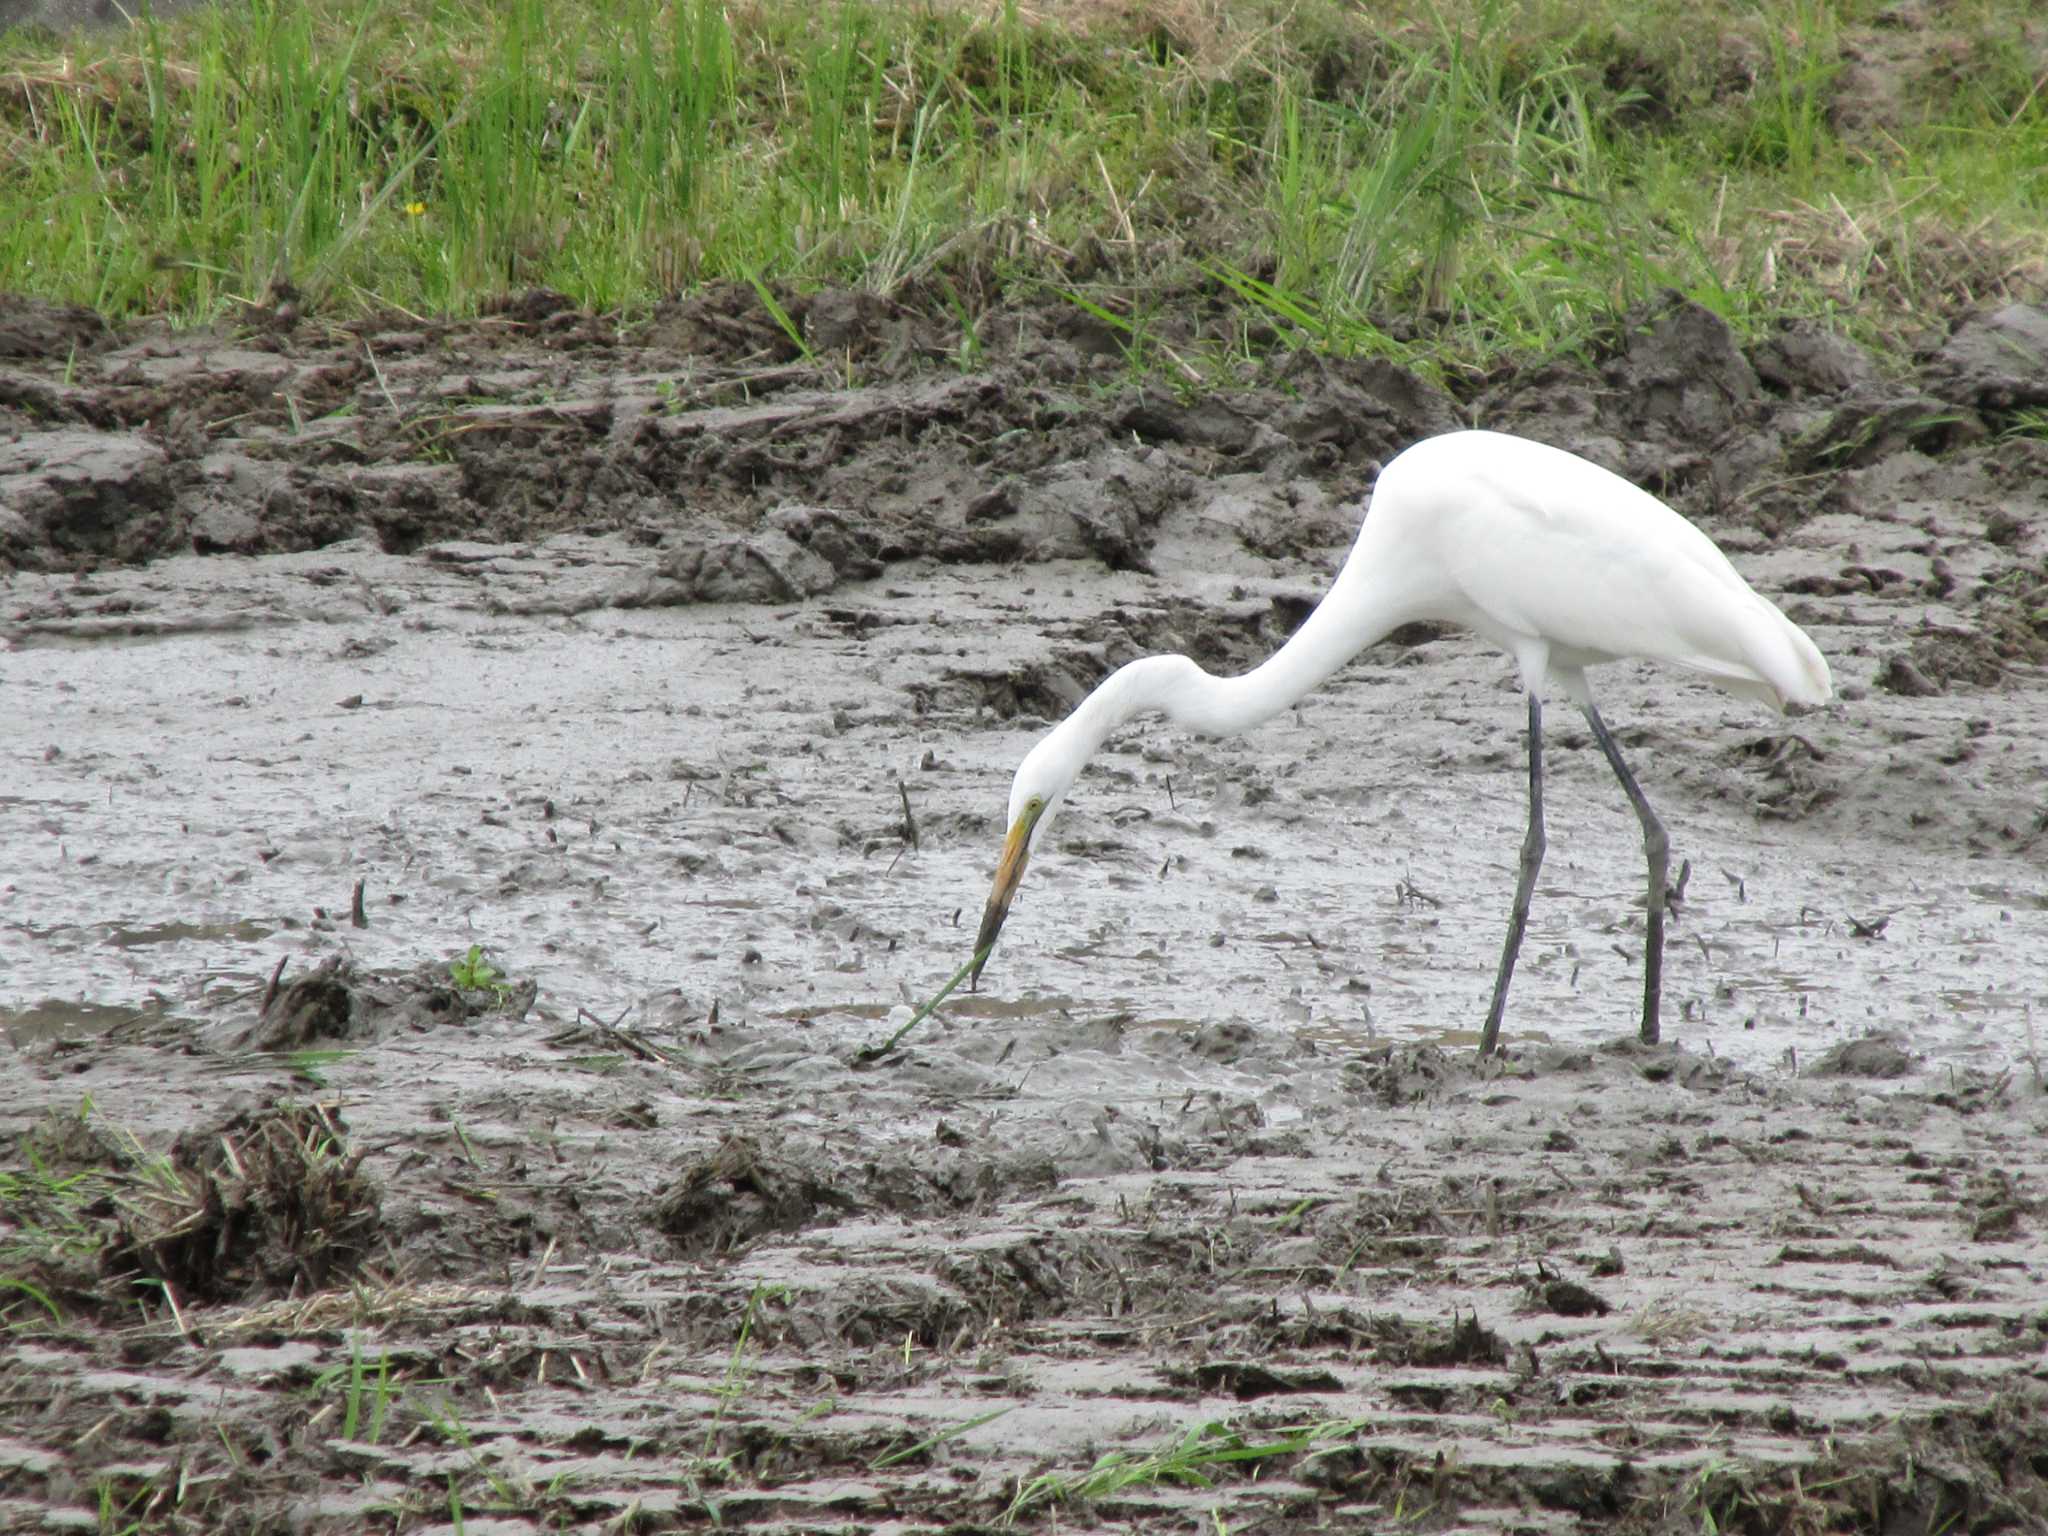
x=1525, y=885
x=1657, y=846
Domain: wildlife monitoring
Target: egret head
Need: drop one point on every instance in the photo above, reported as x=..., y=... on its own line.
x=1042, y=782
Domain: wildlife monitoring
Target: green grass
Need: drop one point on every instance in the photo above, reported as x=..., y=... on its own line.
x=367, y=1396
x=53, y=1225
x=1195, y=1459
x=1436, y=182
x=473, y=971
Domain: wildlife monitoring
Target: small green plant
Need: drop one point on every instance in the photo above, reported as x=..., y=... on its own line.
x=737, y=1370
x=931, y=1441
x=360, y=1386
x=2027, y=421
x=781, y=317
x=506, y=1495
x=52, y=1228
x=309, y=1064
x=474, y=972
x=113, y=1510
x=1189, y=1461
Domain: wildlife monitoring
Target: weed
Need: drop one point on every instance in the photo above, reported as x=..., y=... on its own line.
x=737, y=1372
x=474, y=972
x=114, y=1511
x=1666, y=1321
x=781, y=318
x=358, y=1385
x=2026, y=421
x=55, y=1218
x=1203, y=1450
x=950, y=1432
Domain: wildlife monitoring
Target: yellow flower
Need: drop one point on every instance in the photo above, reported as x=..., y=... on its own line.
x=414, y=210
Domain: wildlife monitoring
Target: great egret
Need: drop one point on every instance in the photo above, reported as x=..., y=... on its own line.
x=1559, y=562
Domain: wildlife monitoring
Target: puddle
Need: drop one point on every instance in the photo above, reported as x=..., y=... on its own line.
x=179, y=933
x=52, y=1019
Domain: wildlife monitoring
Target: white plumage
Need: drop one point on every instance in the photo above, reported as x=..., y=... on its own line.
x=1562, y=564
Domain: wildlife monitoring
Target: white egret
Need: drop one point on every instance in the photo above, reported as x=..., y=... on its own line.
x=1561, y=563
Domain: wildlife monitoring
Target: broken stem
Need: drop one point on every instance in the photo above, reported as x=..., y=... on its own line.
x=917, y=1018
x=909, y=821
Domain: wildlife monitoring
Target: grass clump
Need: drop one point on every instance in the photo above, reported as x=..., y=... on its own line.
x=1440, y=181
x=1199, y=1457
x=57, y=1209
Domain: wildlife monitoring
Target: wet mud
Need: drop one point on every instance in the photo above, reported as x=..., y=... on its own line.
x=680, y=670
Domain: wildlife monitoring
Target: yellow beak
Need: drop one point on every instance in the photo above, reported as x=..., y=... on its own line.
x=1009, y=874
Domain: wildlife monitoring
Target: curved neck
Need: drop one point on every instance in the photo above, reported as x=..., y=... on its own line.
x=1356, y=612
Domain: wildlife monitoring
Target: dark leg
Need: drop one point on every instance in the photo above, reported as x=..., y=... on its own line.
x=1658, y=847
x=1525, y=887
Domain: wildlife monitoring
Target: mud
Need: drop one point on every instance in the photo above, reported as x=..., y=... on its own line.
x=683, y=670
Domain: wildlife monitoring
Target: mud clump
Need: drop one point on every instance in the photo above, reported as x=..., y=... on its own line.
x=81, y=496
x=1466, y=1342
x=1998, y=362
x=37, y=328
x=1941, y=659
x=316, y=1006
x=738, y=1192
x=266, y=1205
x=765, y=568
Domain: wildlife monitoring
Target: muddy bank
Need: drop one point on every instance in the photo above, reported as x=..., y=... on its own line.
x=683, y=675
x=713, y=1276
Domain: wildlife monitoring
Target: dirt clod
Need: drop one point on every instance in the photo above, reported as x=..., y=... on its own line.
x=261, y=1206
x=737, y=1192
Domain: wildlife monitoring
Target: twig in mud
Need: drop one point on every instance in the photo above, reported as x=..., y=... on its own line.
x=177, y=1313
x=374, y=600
x=383, y=388
x=909, y=821
x=1408, y=894
x=270, y=992
x=1868, y=927
x=1674, y=894
x=873, y=1053
x=356, y=915
x=540, y=1270
x=737, y=386
x=626, y=1039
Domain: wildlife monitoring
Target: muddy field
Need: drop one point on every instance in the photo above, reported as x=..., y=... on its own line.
x=684, y=673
